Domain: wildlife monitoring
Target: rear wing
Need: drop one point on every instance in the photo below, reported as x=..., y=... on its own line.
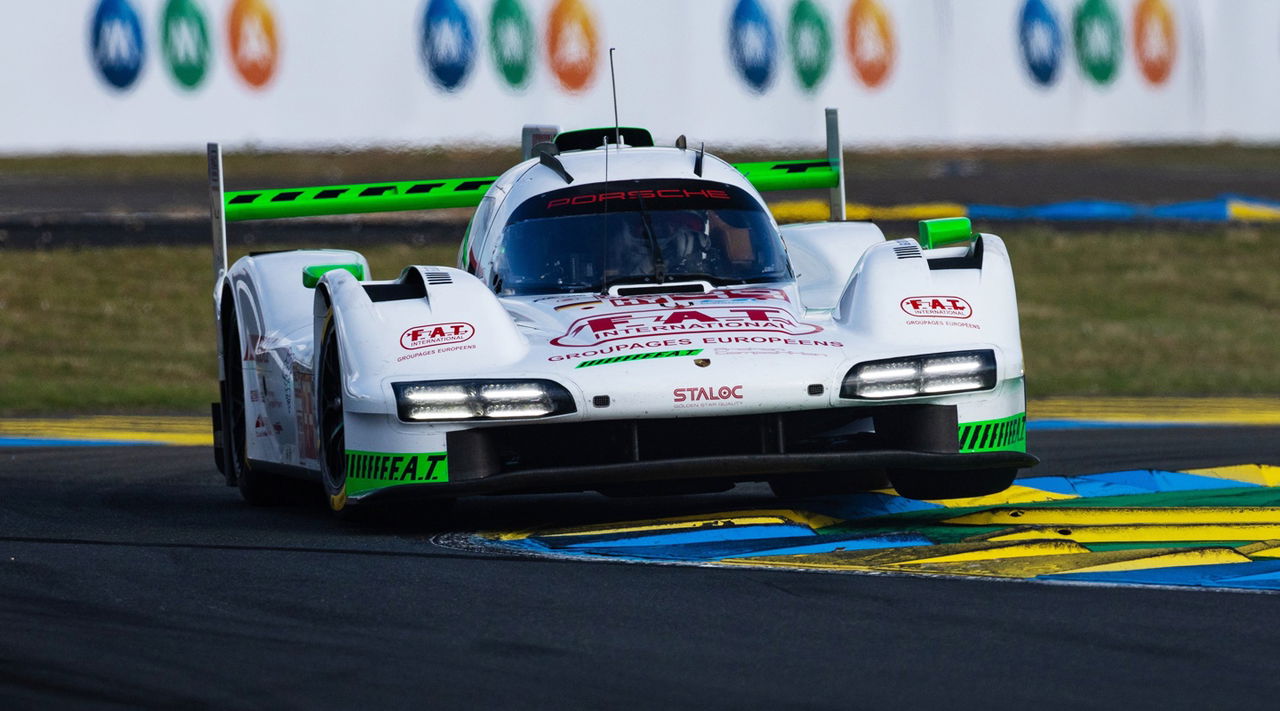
x=467, y=192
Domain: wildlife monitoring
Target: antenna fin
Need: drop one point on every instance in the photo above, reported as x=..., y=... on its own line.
x=682, y=142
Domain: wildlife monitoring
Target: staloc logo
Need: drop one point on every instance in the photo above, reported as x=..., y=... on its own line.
x=752, y=44
x=937, y=306
x=436, y=334
x=1099, y=46
x=512, y=42
x=712, y=394
x=809, y=37
x=116, y=43
x=1040, y=37
x=448, y=43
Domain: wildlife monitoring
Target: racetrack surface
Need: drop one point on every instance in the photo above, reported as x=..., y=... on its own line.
x=131, y=577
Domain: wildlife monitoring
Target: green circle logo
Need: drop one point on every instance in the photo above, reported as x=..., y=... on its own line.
x=809, y=37
x=184, y=41
x=1098, y=40
x=512, y=42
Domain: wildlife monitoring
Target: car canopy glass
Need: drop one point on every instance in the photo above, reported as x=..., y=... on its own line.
x=593, y=237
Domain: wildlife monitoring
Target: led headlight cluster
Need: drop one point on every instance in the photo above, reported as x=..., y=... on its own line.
x=933, y=374
x=480, y=399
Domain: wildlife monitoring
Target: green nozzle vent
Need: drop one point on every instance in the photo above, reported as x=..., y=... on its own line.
x=311, y=275
x=944, y=231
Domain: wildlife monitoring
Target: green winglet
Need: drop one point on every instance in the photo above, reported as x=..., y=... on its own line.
x=311, y=275
x=944, y=231
x=789, y=174
x=352, y=199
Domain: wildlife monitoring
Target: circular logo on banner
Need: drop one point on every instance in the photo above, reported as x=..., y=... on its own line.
x=184, y=39
x=1040, y=37
x=1097, y=38
x=448, y=43
x=512, y=42
x=115, y=40
x=809, y=36
x=752, y=45
x=1155, y=40
x=255, y=51
x=869, y=39
x=572, y=44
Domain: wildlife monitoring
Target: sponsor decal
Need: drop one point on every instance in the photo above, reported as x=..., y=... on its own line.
x=511, y=42
x=638, y=356
x=304, y=395
x=716, y=396
x=255, y=51
x=809, y=39
x=1155, y=40
x=1040, y=37
x=936, y=306
x=1096, y=27
x=436, y=334
x=870, y=42
x=752, y=44
x=753, y=352
x=773, y=339
x=680, y=193
x=116, y=44
x=448, y=43
x=572, y=44
x=373, y=470
x=623, y=348
x=593, y=330
x=746, y=294
x=184, y=42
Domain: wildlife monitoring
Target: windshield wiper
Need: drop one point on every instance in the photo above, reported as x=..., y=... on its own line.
x=659, y=265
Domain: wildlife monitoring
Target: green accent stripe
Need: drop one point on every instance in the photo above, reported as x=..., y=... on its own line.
x=789, y=174
x=351, y=199
x=637, y=356
x=377, y=470
x=1002, y=435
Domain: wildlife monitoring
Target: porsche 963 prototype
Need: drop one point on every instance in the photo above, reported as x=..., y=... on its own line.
x=622, y=318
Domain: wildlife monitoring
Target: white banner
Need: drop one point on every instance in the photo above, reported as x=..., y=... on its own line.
x=152, y=75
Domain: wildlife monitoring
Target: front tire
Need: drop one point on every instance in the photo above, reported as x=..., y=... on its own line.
x=931, y=484
x=331, y=419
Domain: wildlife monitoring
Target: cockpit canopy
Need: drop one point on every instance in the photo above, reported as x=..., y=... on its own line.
x=593, y=237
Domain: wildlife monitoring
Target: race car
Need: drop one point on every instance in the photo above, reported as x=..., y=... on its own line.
x=624, y=318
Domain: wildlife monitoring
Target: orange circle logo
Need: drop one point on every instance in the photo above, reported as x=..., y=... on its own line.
x=869, y=40
x=572, y=44
x=1155, y=40
x=251, y=28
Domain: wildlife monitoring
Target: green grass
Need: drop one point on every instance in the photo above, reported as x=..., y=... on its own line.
x=1119, y=313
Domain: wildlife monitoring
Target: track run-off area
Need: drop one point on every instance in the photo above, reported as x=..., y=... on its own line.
x=1215, y=527
x=131, y=576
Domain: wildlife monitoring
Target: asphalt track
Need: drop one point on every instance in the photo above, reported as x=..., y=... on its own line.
x=131, y=578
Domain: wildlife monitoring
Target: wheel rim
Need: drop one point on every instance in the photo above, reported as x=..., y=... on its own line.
x=332, y=432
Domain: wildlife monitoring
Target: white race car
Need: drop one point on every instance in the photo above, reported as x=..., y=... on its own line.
x=623, y=318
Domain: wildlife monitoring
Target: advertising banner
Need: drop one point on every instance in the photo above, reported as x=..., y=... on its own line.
x=164, y=75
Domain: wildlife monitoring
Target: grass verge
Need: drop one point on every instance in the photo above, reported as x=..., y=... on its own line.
x=1134, y=312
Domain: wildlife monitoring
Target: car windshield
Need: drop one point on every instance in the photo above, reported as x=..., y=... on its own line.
x=593, y=237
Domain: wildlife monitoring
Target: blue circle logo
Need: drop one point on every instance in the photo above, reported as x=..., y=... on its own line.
x=753, y=45
x=448, y=43
x=115, y=41
x=1040, y=37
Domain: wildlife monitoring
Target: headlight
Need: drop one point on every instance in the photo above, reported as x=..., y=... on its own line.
x=933, y=374
x=480, y=399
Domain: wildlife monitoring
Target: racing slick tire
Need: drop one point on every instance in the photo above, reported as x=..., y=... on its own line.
x=257, y=488
x=931, y=484
x=333, y=451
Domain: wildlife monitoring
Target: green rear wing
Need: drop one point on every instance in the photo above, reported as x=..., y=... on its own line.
x=396, y=196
